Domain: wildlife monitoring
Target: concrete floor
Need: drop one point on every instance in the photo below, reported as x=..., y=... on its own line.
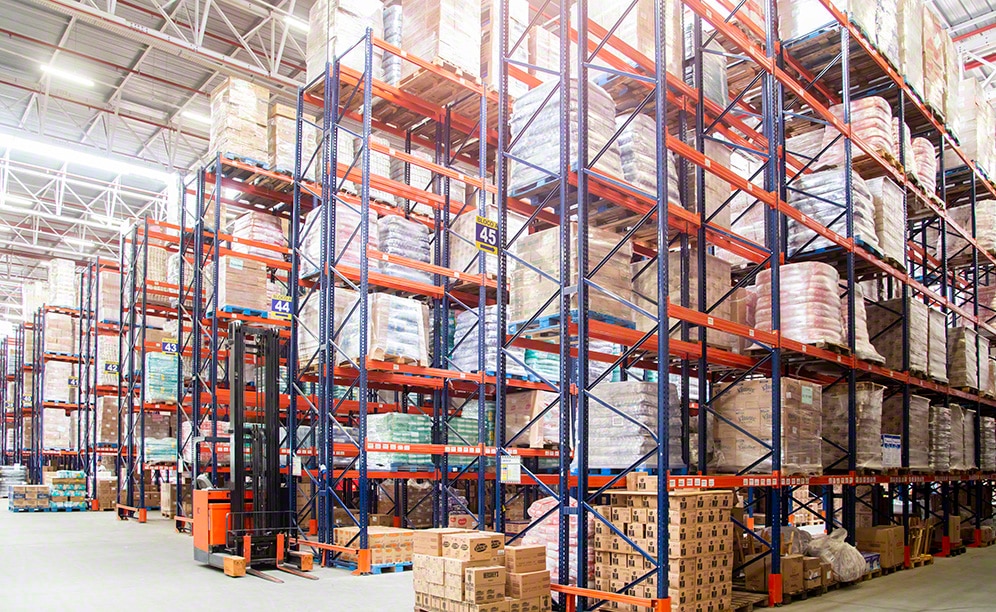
x=90, y=561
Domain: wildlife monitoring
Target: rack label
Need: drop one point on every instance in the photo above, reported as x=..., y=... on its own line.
x=511, y=469
x=170, y=346
x=487, y=235
x=74, y=382
x=280, y=307
x=111, y=367
x=892, y=450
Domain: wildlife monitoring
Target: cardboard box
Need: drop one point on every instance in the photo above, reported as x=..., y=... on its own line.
x=484, y=584
x=811, y=576
x=756, y=574
x=430, y=541
x=463, y=521
x=792, y=573
x=887, y=541
x=235, y=566
x=472, y=546
x=528, y=585
x=525, y=559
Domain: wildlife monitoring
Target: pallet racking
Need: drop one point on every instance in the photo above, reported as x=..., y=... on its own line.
x=6, y=401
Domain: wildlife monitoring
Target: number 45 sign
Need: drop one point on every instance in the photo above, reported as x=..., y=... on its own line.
x=487, y=235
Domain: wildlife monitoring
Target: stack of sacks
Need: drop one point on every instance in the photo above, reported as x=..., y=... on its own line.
x=465, y=345
x=403, y=429
x=530, y=290
x=242, y=284
x=238, y=119
x=940, y=439
x=442, y=31
x=56, y=384
x=544, y=364
x=906, y=138
x=60, y=334
x=987, y=446
x=536, y=135
x=869, y=427
x=806, y=145
x=963, y=357
x=957, y=437
x=637, y=30
x=910, y=16
x=968, y=435
x=617, y=441
x=397, y=331
x=348, y=243
x=985, y=230
x=886, y=330
x=393, y=27
x=863, y=348
x=109, y=297
x=974, y=124
x=521, y=409
x=404, y=238
x=809, y=301
x=937, y=346
x=746, y=407
x=345, y=151
x=544, y=531
x=380, y=167
x=933, y=61
x=56, y=428
x=337, y=25
x=717, y=190
x=821, y=196
x=919, y=415
x=925, y=155
x=259, y=227
x=871, y=121
x=161, y=377
x=638, y=150
x=718, y=280
x=418, y=177
x=63, y=284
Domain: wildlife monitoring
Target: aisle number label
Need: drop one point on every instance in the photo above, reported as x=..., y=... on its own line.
x=74, y=382
x=111, y=367
x=171, y=346
x=26, y=399
x=280, y=307
x=487, y=235
x=511, y=470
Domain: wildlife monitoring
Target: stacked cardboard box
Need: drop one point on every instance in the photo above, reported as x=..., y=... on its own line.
x=521, y=409
x=934, y=82
x=387, y=544
x=886, y=541
x=798, y=573
x=109, y=297
x=438, y=31
x=281, y=139
x=887, y=333
x=60, y=334
x=107, y=491
x=868, y=408
x=518, y=19
x=56, y=430
x=107, y=420
x=68, y=489
x=919, y=416
x=700, y=545
x=29, y=497
x=59, y=383
x=63, y=284
x=263, y=228
x=963, y=356
x=238, y=119
x=242, y=284
x=338, y=25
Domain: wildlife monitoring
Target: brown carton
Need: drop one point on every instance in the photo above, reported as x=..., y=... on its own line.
x=472, y=546
x=887, y=541
x=528, y=585
x=525, y=559
x=811, y=576
x=792, y=573
x=430, y=541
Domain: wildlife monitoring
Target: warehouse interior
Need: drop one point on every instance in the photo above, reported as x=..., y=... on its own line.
x=602, y=305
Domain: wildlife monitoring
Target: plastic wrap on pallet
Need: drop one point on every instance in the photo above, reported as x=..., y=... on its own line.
x=957, y=436
x=159, y=450
x=886, y=28
x=984, y=363
x=544, y=530
x=154, y=265
x=637, y=28
x=238, y=119
x=521, y=408
x=518, y=19
x=937, y=345
x=885, y=328
x=748, y=406
x=441, y=31
x=868, y=408
x=806, y=146
x=348, y=245
x=63, y=284
x=926, y=164
x=940, y=439
x=259, y=227
x=910, y=15
x=404, y=238
x=397, y=331
x=987, y=443
x=871, y=121
x=907, y=141
x=536, y=138
x=205, y=430
x=403, y=429
x=919, y=415
x=638, y=149
x=963, y=358
x=32, y=298
x=968, y=437
x=465, y=345
x=799, y=17
x=393, y=32
x=973, y=124
x=56, y=383
x=718, y=279
x=863, y=348
x=55, y=430
x=717, y=189
x=809, y=301
x=160, y=377
x=821, y=197
x=336, y=26
x=60, y=334
x=934, y=82
x=380, y=166
x=418, y=177
x=530, y=290
x=623, y=434
x=890, y=217
x=242, y=284
x=985, y=234
x=281, y=140
x=109, y=297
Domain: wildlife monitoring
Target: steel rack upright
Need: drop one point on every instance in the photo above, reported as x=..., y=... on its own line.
x=6, y=402
x=22, y=396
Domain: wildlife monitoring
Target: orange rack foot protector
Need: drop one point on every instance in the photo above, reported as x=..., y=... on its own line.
x=774, y=589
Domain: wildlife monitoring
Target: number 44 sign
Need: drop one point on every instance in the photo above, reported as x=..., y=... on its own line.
x=487, y=235
x=280, y=307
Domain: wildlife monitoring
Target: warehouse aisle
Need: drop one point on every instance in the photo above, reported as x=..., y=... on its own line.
x=94, y=562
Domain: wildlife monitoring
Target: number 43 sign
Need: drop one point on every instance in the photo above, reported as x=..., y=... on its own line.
x=487, y=235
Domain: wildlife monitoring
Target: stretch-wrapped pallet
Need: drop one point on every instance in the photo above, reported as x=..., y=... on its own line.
x=809, y=301
x=871, y=121
x=637, y=29
x=281, y=140
x=263, y=228
x=238, y=119
x=987, y=443
x=863, y=348
x=466, y=345
x=335, y=28
x=161, y=377
x=60, y=334
x=397, y=331
x=55, y=430
x=442, y=31
x=919, y=415
x=963, y=357
x=242, y=284
x=521, y=409
x=820, y=196
x=63, y=284
x=56, y=383
x=868, y=408
x=623, y=434
x=926, y=164
x=410, y=239
x=968, y=436
x=934, y=82
x=638, y=149
x=348, y=244
x=886, y=330
x=940, y=438
x=380, y=167
x=957, y=437
x=985, y=233
x=937, y=345
x=910, y=16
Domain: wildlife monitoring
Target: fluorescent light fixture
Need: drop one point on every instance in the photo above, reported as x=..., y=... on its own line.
x=7, y=244
x=78, y=242
x=296, y=23
x=60, y=219
x=198, y=117
x=10, y=141
x=15, y=200
x=66, y=75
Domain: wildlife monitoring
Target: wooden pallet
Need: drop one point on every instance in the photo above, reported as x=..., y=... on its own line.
x=744, y=601
x=922, y=560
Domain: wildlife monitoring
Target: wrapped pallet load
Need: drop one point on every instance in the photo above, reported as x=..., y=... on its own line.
x=518, y=19
x=442, y=31
x=717, y=284
x=55, y=432
x=242, y=285
x=957, y=437
x=59, y=383
x=530, y=290
x=821, y=196
x=638, y=150
x=940, y=439
x=536, y=139
x=926, y=164
x=746, y=407
x=281, y=140
x=540, y=411
x=910, y=16
x=934, y=82
x=937, y=345
x=890, y=218
x=637, y=28
x=238, y=120
x=60, y=334
x=308, y=321
x=404, y=238
x=623, y=429
x=62, y=287
x=466, y=344
x=337, y=25
x=968, y=435
x=886, y=331
x=263, y=228
x=963, y=357
x=868, y=427
x=348, y=243
x=161, y=377
x=394, y=21
x=987, y=443
x=403, y=429
x=809, y=301
x=904, y=154
x=380, y=168
x=397, y=331
x=871, y=121
x=919, y=416
x=863, y=348
x=799, y=17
